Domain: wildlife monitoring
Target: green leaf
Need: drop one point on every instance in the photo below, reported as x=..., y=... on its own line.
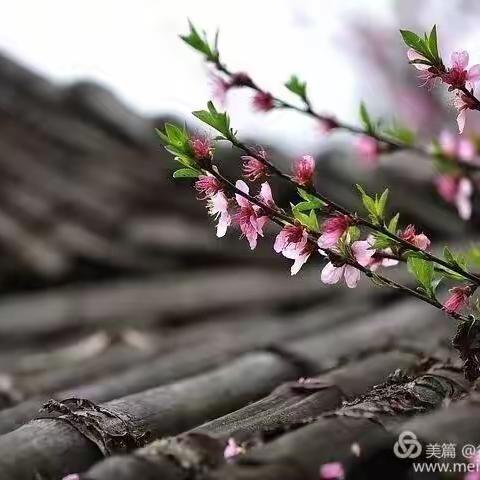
x=310, y=221
x=433, y=43
x=457, y=260
x=297, y=87
x=472, y=255
x=177, y=142
x=311, y=199
x=304, y=206
x=423, y=271
x=412, y=40
x=401, y=134
x=162, y=136
x=220, y=121
x=353, y=233
x=392, y=225
x=369, y=203
x=176, y=136
x=365, y=119
x=382, y=241
x=380, y=204
x=186, y=173
x=200, y=43
x=186, y=161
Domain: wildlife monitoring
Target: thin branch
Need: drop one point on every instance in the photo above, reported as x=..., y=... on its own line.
x=392, y=144
x=355, y=218
x=281, y=218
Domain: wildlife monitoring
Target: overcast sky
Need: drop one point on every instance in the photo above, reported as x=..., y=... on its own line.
x=132, y=46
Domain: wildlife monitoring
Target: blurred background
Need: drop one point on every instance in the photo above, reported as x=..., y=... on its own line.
x=106, y=261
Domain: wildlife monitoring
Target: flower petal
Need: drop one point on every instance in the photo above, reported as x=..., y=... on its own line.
x=242, y=186
x=460, y=59
x=363, y=252
x=448, y=143
x=281, y=241
x=252, y=236
x=461, y=118
x=466, y=150
x=329, y=239
x=331, y=274
x=260, y=223
x=413, y=55
x=223, y=223
x=464, y=207
x=463, y=200
x=474, y=74
x=266, y=194
x=352, y=276
x=299, y=262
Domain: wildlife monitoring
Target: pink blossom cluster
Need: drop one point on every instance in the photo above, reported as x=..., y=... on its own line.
x=294, y=240
x=458, y=76
x=458, y=299
x=221, y=86
x=347, y=258
x=261, y=102
x=457, y=189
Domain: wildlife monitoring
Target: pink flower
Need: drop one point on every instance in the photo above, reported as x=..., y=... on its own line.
x=217, y=206
x=362, y=253
x=428, y=73
x=254, y=169
x=368, y=151
x=291, y=237
x=303, y=170
x=332, y=230
x=420, y=240
x=456, y=147
x=72, y=476
x=202, y=147
x=332, y=471
x=232, y=449
x=250, y=217
x=377, y=259
x=220, y=88
x=265, y=195
x=207, y=186
x=300, y=257
x=292, y=242
x=263, y=101
x=447, y=187
x=462, y=103
x=457, y=76
x=414, y=55
x=458, y=192
x=463, y=198
x=458, y=299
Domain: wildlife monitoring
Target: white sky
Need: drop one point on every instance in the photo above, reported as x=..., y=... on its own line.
x=132, y=46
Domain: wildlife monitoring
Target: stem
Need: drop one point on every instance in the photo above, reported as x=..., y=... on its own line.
x=471, y=96
x=281, y=218
x=392, y=144
x=355, y=218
